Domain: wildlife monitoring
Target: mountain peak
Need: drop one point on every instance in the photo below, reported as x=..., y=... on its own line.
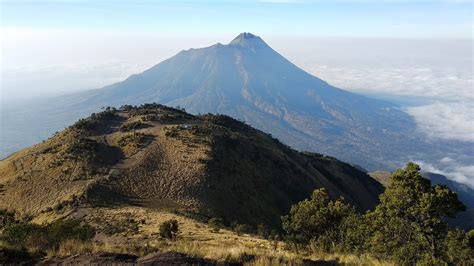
x=248, y=40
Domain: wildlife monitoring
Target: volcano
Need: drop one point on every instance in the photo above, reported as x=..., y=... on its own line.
x=248, y=80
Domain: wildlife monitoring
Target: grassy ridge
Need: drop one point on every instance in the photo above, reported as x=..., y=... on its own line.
x=195, y=239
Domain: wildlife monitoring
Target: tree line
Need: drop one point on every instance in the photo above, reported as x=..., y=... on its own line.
x=407, y=227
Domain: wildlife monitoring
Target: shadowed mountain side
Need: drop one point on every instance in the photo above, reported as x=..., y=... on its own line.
x=161, y=157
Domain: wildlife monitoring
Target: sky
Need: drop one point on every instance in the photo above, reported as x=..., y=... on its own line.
x=415, y=53
x=369, y=18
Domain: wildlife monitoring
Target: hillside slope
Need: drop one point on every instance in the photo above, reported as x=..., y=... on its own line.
x=160, y=157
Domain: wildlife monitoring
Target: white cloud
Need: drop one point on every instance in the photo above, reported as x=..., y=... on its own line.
x=445, y=120
x=460, y=173
x=452, y=83
x=430, y=69
x=446, y=160
x=433, y=79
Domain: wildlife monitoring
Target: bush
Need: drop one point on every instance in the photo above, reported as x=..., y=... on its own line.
x=241, y=229
x=409, y=225
x=57, y=207
x=216, y=224
x=274, y=235
x=42, y=237
x=317, y=221
x=69, y=229
x=82, y=148
x=470, y=238
x=263, y=231
x=12, y=256
x=169, y=229
x=233, y=224
x=136, y=140
x=457, y=248
x=132, y=126
x=6, y=218
x=95, y=120
x=119, y=225
x=19, y=234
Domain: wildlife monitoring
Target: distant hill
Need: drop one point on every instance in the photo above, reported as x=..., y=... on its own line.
x=465, y=194
x=164, y=158
x=248, y=80
x=382, y=176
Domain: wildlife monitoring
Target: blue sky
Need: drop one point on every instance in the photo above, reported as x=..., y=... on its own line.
x=350, y=18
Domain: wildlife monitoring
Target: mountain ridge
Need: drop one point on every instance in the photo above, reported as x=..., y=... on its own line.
x=163, y=158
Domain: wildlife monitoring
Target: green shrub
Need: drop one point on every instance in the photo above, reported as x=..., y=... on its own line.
x=274, y=235
x=95, y=120
x=317, y=221
x=216, y=224
x=457, y=248
x=57, y=207
x=132, y=126
x=69, y=229
x=150, y=117
x=233, y=224
x=82, y=148
x=263, y=231
x=19, y=234
x=6, y=218
x=409, y=225
x=126, y=107
x=241, y=229
x=42, y=237
x=470, y=238
x=169, y=229
x=13, y=256
x=117, y=226
x=136, y=139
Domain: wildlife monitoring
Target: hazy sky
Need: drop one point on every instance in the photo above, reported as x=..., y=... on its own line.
x=380, y=18
x=417, y=53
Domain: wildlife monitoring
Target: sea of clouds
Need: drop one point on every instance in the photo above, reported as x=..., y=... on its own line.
x=432, y=80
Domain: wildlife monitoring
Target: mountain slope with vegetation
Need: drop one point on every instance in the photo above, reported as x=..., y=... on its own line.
x=408, y=227
x=164, y=158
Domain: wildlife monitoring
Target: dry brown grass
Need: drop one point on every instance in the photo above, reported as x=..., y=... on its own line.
x=211, y=162
x=72, y=247
x=214, y=165
x=197, y=239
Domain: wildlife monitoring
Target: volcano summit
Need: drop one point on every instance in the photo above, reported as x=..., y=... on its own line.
x=248, y=80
